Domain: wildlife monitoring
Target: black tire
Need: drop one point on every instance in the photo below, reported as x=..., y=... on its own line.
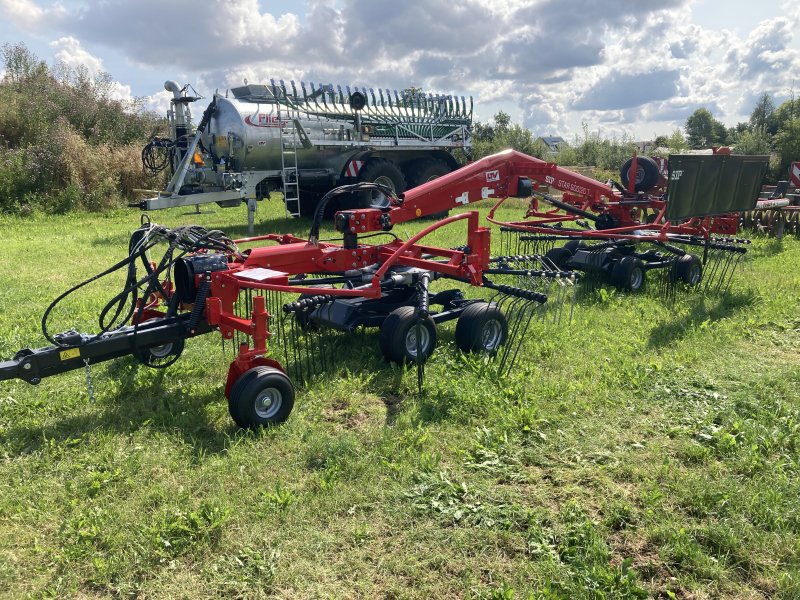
x=261, y=396
x=558, y=257
x=424, y=170
x=687, y=269
x=380, y=170
x=647, y=173
x=628, y=274
x=309, y=200
x=236, y=391
x=398, y=336
x=482, y=327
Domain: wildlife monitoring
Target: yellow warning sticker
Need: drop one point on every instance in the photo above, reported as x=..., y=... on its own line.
x=71, y=353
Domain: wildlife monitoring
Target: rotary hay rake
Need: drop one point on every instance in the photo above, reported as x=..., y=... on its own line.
x=301, y=295
x=619, y=235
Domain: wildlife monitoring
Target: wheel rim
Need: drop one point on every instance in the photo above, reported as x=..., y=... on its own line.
x=491, y=335
x=162, y=351
x=694, y=274
x=639, y=174
x=411, y=340
x=637, y=278
x=268, y=403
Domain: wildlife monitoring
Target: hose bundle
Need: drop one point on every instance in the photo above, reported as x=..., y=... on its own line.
x=121, y=308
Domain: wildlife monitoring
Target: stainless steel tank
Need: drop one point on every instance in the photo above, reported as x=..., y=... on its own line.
x=247, y=136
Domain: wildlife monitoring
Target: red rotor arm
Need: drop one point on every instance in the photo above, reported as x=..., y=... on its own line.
x=505, y=174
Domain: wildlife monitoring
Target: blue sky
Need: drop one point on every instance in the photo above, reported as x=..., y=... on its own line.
x=621, y=67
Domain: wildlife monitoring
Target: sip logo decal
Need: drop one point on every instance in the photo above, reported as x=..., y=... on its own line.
x=463, y=199
x=486, y=192
x=492, y=176
x=676, y=175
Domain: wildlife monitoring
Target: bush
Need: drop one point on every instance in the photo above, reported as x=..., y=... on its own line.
x=65, y=143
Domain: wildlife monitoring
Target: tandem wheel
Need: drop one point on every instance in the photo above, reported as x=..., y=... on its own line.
x=403, y=333
x=261, y=396
x=687, y=269
x=482, y=327
x=628, y=274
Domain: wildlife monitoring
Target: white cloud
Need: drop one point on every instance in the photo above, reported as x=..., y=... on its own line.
x=158, y=102
x=22, y=12
x=70, y=52
x=29, y=15
x=550, y=63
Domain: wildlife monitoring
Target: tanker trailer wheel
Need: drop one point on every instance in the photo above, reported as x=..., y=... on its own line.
x=402, y=333
x=687, y=269
x=424, y=170
x=261, y=396
x=482, y=327
x=647, y=173
x=384, y=172
x=628, y=274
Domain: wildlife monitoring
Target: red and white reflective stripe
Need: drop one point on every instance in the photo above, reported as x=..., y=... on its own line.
x=794, y=174
x=354, y=168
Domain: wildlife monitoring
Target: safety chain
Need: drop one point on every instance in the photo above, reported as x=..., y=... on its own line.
x=89, y=379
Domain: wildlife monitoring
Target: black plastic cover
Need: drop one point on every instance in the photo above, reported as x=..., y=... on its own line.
x=711, y=184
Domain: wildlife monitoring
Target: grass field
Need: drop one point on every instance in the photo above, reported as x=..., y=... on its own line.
x=646, y=449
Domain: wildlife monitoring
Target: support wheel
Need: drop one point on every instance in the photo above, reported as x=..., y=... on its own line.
x=261, y=396
x=402, y=333
x=628, y=274
x=160, y=357
x=482, y=327
x=687, y=269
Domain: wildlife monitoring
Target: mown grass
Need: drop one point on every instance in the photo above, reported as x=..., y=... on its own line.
x=647, y=448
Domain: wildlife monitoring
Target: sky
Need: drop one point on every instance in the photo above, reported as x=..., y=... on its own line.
x=618, y=67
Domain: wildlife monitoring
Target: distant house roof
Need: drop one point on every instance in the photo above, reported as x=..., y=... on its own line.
x=553, y=142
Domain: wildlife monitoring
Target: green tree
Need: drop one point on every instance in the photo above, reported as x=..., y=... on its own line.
x=763, y=115
x=756, y=141
x=502, y=120
x=488, y=139
x=676, y=142
x=787, y=111
x=703, y=130
x=787, y=143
